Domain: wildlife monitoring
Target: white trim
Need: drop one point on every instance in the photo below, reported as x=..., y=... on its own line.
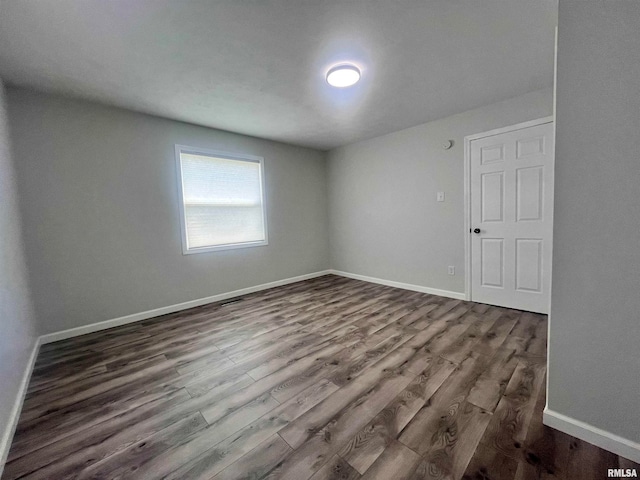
x=555, y=91
x=510, y=128
x=136, y=317
x=467, y=188
x=7, y=435
x=115, y=322
x=594, y=435
x=406, y=286
x=179, y=149
x=467, y=219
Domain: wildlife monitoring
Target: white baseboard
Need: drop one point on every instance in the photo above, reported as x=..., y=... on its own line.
x=7, y=435
x=115, y=322
x=406, y=286
x=135, y=317
x=594, y=435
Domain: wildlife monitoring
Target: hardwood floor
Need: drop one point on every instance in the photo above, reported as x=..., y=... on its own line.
x=329, y=378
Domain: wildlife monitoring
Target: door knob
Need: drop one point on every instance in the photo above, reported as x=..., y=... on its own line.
x=476, y=231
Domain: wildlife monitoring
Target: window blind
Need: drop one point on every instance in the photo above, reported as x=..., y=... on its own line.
x=222, y=201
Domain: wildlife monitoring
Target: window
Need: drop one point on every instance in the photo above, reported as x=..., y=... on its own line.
x=222, y=199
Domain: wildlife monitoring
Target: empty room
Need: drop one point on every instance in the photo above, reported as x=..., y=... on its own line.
x=328, y=239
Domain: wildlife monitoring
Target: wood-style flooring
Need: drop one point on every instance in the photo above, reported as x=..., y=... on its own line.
x=329, y=378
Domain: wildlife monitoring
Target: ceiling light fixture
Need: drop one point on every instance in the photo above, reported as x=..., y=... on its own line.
x=343, y=75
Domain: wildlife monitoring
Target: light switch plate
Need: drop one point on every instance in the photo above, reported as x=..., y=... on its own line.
x=440, y=196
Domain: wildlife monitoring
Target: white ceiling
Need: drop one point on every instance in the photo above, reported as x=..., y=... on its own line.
x=257, y=66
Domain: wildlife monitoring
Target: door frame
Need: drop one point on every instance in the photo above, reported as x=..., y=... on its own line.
x=467, y=189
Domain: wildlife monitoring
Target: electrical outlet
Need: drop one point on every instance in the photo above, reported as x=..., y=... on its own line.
x=452, y=270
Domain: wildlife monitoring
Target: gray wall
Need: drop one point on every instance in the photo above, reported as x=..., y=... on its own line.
x=594, y=366
x=384, y=218
x=17, y=322
x=100, y=209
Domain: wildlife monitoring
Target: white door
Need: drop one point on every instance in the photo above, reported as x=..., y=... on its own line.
x=511, y=218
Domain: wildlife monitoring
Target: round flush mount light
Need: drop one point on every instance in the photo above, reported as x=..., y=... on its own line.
x=343, y=75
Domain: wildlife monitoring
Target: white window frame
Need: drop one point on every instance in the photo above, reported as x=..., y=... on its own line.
x=179, y=149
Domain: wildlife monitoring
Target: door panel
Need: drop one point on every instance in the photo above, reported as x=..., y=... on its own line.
x=492, y=154
x=529, y=264
x=530, y=146
x=492, y=197
x=511, y=204
x=492, y=253
x=529, y=193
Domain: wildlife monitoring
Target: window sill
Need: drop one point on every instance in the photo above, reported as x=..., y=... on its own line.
x=217, y=248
